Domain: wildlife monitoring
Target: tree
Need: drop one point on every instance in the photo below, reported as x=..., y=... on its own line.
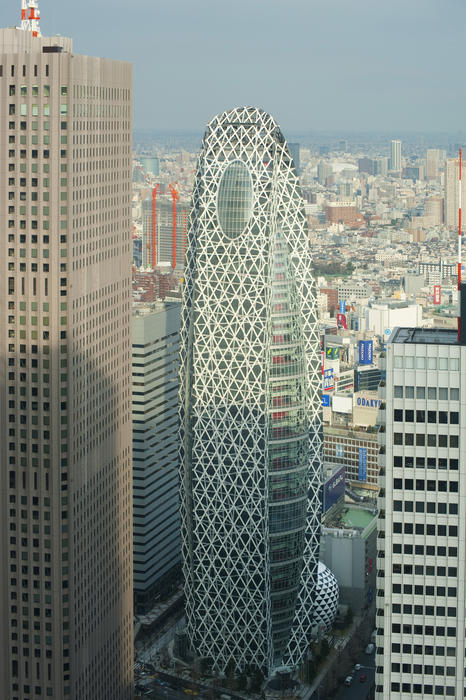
x=242, y=681
x=349, y=617
x=257, y=680
x=324, y=648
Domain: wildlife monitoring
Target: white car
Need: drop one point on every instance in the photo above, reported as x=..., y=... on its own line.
x=348, y=680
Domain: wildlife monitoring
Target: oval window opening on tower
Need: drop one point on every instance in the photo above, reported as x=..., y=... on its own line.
x=234, y=199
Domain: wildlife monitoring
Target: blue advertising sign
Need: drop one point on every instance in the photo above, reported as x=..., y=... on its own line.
x=362, y=464
x=326, y=400
x=342, y=306
x=328, y=382
x=366, y=352
x=334, y=489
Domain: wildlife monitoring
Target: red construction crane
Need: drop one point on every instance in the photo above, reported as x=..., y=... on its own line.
x=175, y=196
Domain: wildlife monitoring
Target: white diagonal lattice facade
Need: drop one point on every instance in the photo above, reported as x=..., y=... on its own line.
x=250, y=405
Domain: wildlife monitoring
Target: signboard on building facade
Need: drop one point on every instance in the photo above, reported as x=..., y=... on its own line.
x=366, y=352
x=362, y=464
x=332, y=353
x=342, y=306
x=437, y=294
x=341, y=321
x=328, y=381
x=334, y=489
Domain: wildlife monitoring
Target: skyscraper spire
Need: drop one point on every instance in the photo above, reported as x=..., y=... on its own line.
x=30, y=17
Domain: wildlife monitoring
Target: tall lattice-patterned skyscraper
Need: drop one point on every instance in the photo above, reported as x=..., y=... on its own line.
x=250, y=406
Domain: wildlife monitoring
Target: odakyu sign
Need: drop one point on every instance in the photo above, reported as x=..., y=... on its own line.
x=367, y=402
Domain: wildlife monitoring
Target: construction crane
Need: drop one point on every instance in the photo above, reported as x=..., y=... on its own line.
x=175, y=196
x=30, y=17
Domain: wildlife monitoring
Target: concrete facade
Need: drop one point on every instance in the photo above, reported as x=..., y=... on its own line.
x=65, y=353
x=156, y=350
x=422, y=529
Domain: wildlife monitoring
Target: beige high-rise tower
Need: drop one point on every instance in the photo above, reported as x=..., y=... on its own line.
x=66, y=608
x=452, y=191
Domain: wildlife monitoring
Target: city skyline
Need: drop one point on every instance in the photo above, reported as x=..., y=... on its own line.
x=343, y=67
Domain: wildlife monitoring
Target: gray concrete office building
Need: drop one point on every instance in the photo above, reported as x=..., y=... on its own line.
x=65, y=357
x=422, y=529
x=156, y=359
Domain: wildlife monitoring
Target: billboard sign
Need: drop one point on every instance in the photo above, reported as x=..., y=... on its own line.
x=328, y=381
x=326, y=400
x=362, y=464
x=332, y=353
x=334, y=489
x=368, y=402
x=341, y=321
x=366, y=352
x=342, y=306
x=437, y=294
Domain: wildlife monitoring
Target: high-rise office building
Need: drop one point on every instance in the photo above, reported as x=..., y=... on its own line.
x=432, y=163
x=422, y=529
x=156, y=359
x=451, y=190
x=65, y=354
x=170, y=243
x=250, y=407
x=294, y=149
x=395, y=160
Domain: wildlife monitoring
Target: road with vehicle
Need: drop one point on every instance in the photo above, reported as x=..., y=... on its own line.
x=163, y=686
x=363, y=678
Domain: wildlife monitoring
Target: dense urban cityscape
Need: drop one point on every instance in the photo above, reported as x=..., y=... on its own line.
x=232, y=428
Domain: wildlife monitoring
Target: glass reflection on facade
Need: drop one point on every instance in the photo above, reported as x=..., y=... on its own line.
x=250, y=407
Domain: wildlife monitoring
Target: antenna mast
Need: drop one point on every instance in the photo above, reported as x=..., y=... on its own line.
x=30, y=17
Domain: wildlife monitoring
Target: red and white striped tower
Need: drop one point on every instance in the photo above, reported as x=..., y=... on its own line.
x=30, y=17
x=459, y=247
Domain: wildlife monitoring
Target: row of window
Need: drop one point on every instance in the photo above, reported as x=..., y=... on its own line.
x=34, y=126
x=450, y=592
x=407, y=416
x=421, y=529
x=423, y=440
x=23, y=90
x=425, y=485
x=428, y=631
x=425, y=650
x=429, y=507
x=425, y=689
x=24, y=68
x=422, y=392
x=34, y=153
x=429, y=549
x=35, y=110
x=422, y=462
x=429, y=363
x=420, y=570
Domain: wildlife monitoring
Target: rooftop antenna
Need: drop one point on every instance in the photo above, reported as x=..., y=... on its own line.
x=459, y=247
x=30, y=17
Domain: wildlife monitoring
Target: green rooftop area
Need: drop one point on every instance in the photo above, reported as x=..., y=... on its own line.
x=356, y=517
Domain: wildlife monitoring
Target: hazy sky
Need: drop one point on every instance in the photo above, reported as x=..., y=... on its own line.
x=349, y=65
